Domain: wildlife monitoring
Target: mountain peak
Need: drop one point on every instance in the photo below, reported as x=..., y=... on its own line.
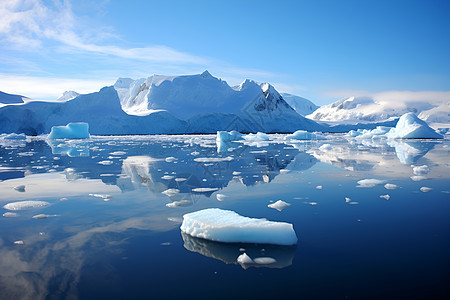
x=206, y=74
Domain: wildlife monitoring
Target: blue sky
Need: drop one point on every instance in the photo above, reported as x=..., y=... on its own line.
x=321, y=50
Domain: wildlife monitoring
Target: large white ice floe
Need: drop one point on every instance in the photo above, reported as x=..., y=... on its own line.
x=304, y=135
x=370, y=182
x=19, y=205
x=409, y=126
x=227, y=226
x=79, y=130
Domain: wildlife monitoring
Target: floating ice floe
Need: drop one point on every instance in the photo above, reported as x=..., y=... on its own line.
x=236, y=173
x=409, y=126
x=118, y=153
x=19, y=205
x=205, y=190
x=10, y=215
x=418, y=178
x=387, y=197
x=20, y=188
x=18, y=243
x=425, y=189
x=347, y=200
x=105, y=197
x=304, y=135
x=180, y=179
x=212, y=159
x=105, y=162
x=171, y=192
x=178, y=203
x=167, y=177
x=78, y=130
x=390, y=186
x=368, y=183
x=43, y=216
x=319, y=187
x=171, y=159
x=228, y=226
x=421, y=170
x=279, y=205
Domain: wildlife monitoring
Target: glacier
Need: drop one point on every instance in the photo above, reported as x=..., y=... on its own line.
x=160, y=104
x=227, y=226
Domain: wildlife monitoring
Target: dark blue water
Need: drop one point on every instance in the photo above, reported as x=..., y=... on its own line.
x=111, y=232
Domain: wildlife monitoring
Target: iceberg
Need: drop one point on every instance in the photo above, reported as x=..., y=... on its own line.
x=304, y=135
x=258, y=137
x=227, y=226
x=279, y=205
x=13, y=136
x=409, y=126
x=78, y=130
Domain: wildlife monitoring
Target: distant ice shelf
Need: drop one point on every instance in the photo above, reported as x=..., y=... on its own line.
x=227, y=226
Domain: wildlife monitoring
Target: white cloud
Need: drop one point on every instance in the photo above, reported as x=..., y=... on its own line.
x=49, y=88
x=28, y=24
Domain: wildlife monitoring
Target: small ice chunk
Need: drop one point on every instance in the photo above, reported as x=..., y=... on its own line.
x=304, y=135
x=418, y=178
x=368, y=183
x=236, y=173
x=118, y=153
x=258, y=137
x=221, y=197
x=325, y=147
x=42, y=216
x=20, y=188
x=171, y=159
x=387, y=197
x=284, y=171
x=178, y=203
x=195, y=153
x=425, y=189
x=228, y=226
x=264, y=260
x=105, y=197
x=353, y=203
x=63, y=199
x=180, y=179
x=213, y=159
x=167, y=177
x=319, y=187
x=347, y=200
x=105, y=162
x=205, y=190
x=421, y=170
x=279, y=205
x=312, y=203
x=18, y=243
x=171, y=192
x=244, y=259
x=10, y=215
x=19, y=205
x=175, y=219
x=78, y=130
x=390, y=186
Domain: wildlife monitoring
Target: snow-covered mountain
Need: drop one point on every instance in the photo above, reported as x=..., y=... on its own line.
x=301, y=105
x=430, y=106
x=6, y=98
x=68, y=95
x=163, y=104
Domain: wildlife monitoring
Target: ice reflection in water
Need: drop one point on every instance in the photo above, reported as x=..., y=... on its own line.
x=56, y=251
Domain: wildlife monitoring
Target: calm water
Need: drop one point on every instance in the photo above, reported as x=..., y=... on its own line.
x=111, y=232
